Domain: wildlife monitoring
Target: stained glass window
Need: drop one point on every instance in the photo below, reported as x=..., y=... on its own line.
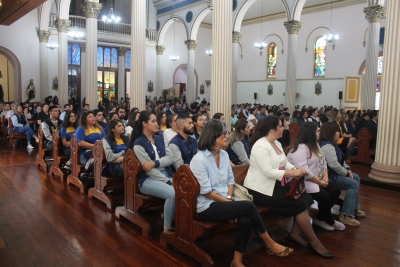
x=128, y=59
x=76, y=54
x=271, y=73
x=320, y=57
x=69, y=54
x=379, y=68
x=114, y=58
x=107, y=57
x=99, y=57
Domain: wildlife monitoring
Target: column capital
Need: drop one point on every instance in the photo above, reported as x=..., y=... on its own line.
x=122, y=51
x=191, y=44
x=82, y=46
x=43, y=36
x=374, y=13
x=91, y=9
x=292, y=26
x=63, y=24
x=236, y=36
x=160, y=50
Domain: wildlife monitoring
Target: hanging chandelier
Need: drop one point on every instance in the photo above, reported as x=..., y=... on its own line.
x=52, y=46
x=75, y=34
x=111, y=18
x=174, y=57
x=261, y=45
x=331, y=38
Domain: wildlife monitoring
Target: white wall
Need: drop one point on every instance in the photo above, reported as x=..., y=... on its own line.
x=181, y=75
x=21, y=39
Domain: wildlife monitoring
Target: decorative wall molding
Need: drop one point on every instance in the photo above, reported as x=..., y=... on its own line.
x=63, y=25
x=91, y=9
x=160, y=50
x=292, y=27
x=43, y=36
x=191, y=44
x=374, y=13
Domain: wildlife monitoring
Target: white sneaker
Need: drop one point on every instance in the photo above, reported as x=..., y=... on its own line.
x=37, y=140
x=323, y=225
x=30, y=146
x=339, y=226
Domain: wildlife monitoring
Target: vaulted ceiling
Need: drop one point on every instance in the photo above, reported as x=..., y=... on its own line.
x=12, y=10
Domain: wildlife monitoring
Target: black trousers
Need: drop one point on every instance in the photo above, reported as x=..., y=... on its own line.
x=247, y=218
x=326, y=198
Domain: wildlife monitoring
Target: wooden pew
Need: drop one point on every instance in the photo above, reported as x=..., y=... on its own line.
x=363, y=152
x=102, y=184
x=43, y=151
x=13, y=135
x=188, y=227
x=77, y=168
x=4, y=134
x=58, y=157
x=294, y=129
x=135, y=201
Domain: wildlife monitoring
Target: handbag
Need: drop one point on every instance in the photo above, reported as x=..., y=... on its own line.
x=296, y=188
x=240, y=193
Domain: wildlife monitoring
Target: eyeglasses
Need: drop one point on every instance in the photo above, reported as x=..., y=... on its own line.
x=224, y=133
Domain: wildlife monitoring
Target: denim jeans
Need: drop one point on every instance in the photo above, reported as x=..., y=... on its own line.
x=25, y=130
x=83, y=159
x=350, y=202
x=162, y=190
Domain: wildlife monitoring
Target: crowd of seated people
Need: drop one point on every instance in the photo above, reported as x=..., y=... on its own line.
x=168, y=134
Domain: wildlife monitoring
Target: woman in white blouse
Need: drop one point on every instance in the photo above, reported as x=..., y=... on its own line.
x=251, y=119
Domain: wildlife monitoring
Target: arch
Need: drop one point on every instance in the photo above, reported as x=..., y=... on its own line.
x=165, y=26
x=195, y=74
x=17, y=71
x=297, y=9
x=44, y=14
x=322, y=27
x=197, y=21
x=63, y=9
x=283, y=50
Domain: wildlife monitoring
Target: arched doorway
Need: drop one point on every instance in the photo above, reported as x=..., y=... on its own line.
x=10, y=78
x=180, y=80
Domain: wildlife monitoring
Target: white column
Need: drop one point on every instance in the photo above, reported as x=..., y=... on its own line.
x=373, y=14
x=221, y=60
x=386, y=167
x=121, y=72
x=62, y=25
x=190, y=85
x=83, y=71
x=235, y=57
x=44, y=74
x=91, y=10
x=159, y=50
x=292, y=28
x=138, y=54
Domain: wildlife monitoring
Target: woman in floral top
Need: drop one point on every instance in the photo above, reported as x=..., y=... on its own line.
x=306, y=153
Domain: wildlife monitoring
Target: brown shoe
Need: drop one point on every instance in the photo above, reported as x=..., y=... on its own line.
x=343, y=219
x=284, y=253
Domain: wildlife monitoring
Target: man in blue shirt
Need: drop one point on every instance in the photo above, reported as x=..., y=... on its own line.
x=262, y=114
x=183, y=146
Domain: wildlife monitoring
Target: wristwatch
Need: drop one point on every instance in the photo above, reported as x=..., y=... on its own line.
x=229, y=197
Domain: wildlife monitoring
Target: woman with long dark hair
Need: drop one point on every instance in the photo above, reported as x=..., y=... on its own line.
x=133, y=116
x=305, y=152
x=345, y=140
x=68, y=128
x=211, y=167
x=161, y=120
x=115, y=145
x=155, y=157
x=268, y=180
x=340, y=173
x=198, y=122
x=239, y=143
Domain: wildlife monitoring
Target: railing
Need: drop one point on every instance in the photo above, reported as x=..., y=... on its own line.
x=120, y=28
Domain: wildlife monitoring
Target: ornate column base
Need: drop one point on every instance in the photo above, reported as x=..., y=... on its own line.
x=385, y=173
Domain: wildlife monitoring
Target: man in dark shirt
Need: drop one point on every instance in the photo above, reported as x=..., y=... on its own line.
x=372, y=127
x=362, y=122
x=327, y=114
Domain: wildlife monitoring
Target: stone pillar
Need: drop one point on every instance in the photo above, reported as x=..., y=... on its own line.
x=121, y=72
x=160, y=51
x=138, y=54
x=83, y=71
x=91, y=10
x=44, y=75
x=235, y=57
x=221, y=60
x=62, y=26
x=292, y=28
x=386, y=167
x=373, y=14
x=190, y=85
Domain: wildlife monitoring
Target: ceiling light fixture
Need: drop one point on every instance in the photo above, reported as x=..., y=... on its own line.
x=261, y=45
x=331, y=38
x=174, y=57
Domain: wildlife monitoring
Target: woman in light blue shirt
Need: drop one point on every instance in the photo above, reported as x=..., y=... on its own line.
x=211, y=167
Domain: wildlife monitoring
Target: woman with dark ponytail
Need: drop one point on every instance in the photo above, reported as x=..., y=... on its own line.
x=155, y=157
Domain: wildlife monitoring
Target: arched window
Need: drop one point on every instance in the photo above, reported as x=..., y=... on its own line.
x=320, y=57
x=271, y=68
x=379, y=68
x=74, y=69
x=107, y=72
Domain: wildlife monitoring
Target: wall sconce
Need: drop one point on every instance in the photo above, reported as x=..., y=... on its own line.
x=208, y=82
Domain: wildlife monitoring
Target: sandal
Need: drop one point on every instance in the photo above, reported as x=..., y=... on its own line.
x=342, y=219
x=359, y=213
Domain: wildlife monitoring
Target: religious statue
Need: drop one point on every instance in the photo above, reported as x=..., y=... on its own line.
x=31, y=90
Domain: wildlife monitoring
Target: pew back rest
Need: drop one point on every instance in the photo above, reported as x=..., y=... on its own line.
x=98, y=157
x=12, y=134
x=132, y=170
x=57, y=145
x=75, y=160
x=41, y=137
x=294, y=129
x=364, y=137
x=240, y=172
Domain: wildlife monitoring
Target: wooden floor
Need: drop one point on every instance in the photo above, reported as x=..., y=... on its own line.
x=46, y=223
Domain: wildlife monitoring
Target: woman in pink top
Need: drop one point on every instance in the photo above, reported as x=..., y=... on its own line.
x=305, y=152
